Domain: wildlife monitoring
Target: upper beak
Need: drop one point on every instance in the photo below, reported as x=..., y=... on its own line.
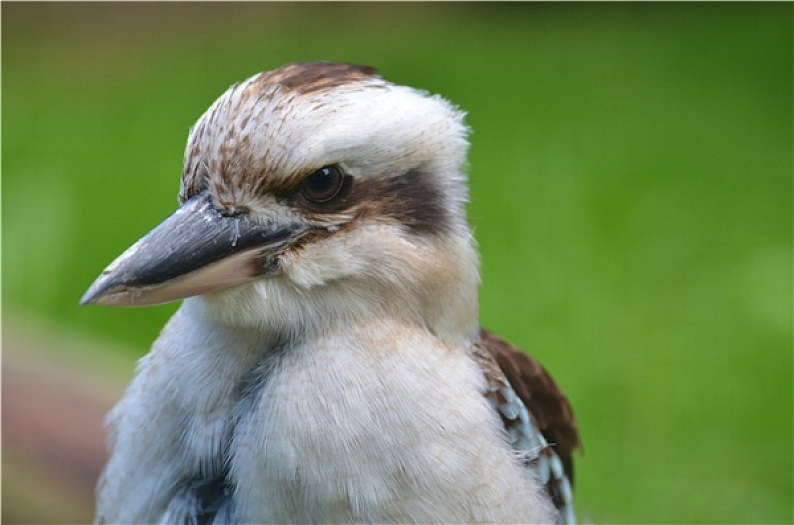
x=194, y=251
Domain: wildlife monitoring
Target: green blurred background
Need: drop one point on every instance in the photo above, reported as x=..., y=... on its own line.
x=631, y=177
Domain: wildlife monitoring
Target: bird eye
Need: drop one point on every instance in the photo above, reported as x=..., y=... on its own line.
x=323, y=185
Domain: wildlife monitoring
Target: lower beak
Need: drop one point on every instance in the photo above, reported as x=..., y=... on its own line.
x=194, y=251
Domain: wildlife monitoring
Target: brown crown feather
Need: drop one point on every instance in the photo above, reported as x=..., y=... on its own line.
x=308, y=77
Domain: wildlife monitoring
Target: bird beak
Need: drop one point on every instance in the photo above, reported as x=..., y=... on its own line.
x=194, y=251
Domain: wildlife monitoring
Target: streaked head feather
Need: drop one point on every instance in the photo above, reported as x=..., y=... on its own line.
x=400, y=240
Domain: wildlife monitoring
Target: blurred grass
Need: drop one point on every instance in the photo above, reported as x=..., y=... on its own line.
x=631, y=175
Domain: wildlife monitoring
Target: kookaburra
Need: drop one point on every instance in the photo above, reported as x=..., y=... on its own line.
x=327, y=364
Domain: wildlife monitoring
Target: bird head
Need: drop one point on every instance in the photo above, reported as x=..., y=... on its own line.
x=309, y=194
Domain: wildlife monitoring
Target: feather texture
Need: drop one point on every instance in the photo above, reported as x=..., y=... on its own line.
x=536, y=415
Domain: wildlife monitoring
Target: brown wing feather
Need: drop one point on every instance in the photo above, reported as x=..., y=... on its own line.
x=542, y=397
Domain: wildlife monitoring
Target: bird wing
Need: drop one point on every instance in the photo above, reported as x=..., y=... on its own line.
x=536, y=415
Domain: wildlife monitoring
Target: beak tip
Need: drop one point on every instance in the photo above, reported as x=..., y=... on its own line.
x=97, y=290
x=90, y=295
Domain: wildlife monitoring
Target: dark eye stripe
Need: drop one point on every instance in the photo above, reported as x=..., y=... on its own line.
x=412, y=198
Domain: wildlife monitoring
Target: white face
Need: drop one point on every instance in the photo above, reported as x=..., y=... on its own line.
x=359, y=183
